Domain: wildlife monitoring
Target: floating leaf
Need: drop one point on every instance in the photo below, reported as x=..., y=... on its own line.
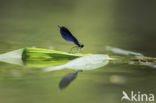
x=13, y=57
x=123, y=52
x=38, y=57
x=148, y=64
x=45, y=57
x=84, y=63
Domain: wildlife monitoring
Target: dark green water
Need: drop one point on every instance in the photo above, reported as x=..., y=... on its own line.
x=120, y=23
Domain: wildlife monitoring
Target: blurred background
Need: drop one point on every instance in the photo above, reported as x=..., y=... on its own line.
x=127, y=24
x=120, y=23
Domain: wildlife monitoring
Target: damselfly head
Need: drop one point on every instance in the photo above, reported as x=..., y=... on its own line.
x=80, y=45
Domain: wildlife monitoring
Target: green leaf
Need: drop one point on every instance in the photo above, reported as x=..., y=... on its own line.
x=45, y=57
x=38, y=57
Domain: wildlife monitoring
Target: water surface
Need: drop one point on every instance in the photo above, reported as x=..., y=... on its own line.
x=97, y=24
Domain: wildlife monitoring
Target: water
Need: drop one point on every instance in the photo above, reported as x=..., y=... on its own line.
x=97, y=24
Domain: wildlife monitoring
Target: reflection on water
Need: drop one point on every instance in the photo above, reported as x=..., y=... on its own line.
x=88, y=62
x=68, y=79
x=119, y=23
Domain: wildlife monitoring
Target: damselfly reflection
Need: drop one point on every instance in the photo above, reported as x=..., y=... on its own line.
x=68, y=79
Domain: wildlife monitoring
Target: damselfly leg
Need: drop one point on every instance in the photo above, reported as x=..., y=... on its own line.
x=75, y=49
